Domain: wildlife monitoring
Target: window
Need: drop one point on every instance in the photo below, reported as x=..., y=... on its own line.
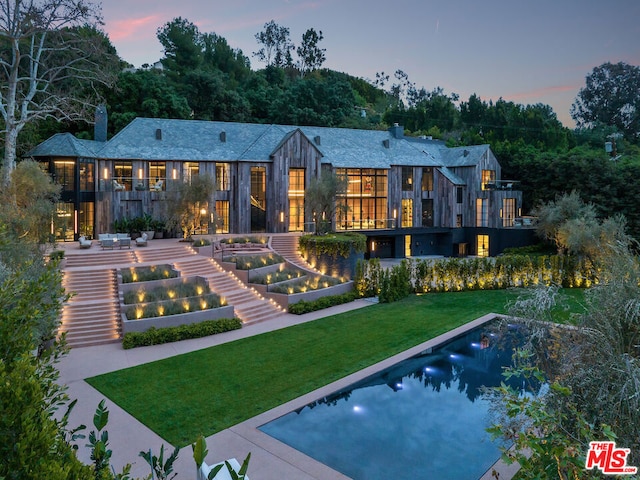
x=157, y=174
x=407, y=213
x=427, y=212
x=482, y=213
x=191, y=169
x=122, y=173
x=427, y=179
x=365, y=203
x=508, y=211
x=222, y=216
x=407, y=179
x=258, y=199
x=488, y=179
x=222, y=176
x=64, y=174
x=459, y=221
x=459, y=194
x=296, y=199
x=483, y=245
x=87, y=179
x=85, y=219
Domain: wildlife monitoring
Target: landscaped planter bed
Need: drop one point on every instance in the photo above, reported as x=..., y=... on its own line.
x=143, y=324
x=284, y=300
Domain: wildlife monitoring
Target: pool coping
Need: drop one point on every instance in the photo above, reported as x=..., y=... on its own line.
x=309, y=468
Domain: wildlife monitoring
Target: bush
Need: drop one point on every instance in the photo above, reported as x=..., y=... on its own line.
x=305, y=284
x=335, y=244
x=279, y=276
x=157, y=336
x=247, y=262
x=57, y=255
x=147, y=274
x=192, y=288
x=304, y=306
x=250, y=239
x=201, y=242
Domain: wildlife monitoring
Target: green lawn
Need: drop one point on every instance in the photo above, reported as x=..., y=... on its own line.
x=206, y=391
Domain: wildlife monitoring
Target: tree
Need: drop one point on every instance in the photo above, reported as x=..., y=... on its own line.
x=187, y=201
x=611, y=96
x=320, y=199
x=48, y=60
x=33, y=196
x=183, y=45
x=310, y=54
x=276, y=45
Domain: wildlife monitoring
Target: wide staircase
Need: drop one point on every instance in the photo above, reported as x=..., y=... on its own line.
x=287, y=247
x=91, y=316
x=98, y=259
x=249, y=306
x=164, y=255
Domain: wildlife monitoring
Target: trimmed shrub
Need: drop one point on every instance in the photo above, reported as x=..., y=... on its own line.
x=147, y=274
x=157, y=336
x=304, y=306
x=247, y=262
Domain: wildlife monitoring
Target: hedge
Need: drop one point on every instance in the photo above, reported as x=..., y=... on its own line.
x=157, y=336
x=304, y=306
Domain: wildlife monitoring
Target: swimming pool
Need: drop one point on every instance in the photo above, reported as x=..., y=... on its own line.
x=421, y=418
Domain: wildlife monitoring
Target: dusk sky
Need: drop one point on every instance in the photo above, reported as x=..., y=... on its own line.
x=523, y=51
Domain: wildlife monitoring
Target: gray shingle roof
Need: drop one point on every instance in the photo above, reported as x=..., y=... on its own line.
x=195, y=140
x=66, y=145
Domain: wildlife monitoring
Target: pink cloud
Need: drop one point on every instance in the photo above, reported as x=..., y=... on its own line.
x=124, y=29
x=543, y=92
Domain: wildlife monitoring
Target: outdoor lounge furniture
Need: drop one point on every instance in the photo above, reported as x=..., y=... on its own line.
x=223, y=474
x=124, y=242
x=117, y=186
x=157, y=187
x=84, y=243
x=107, y=243
x=142, y=240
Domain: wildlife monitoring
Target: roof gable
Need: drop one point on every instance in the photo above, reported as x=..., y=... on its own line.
x=66, y=145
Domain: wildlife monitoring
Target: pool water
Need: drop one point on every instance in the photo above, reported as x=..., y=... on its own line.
x=424, y=418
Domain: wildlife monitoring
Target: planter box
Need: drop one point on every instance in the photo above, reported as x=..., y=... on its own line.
x=285, y=300
x=144, y=324
x=151, y=284
x=338, y=266
x=243, y=275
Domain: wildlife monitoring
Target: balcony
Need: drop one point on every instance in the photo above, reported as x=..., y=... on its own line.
x=500, y=185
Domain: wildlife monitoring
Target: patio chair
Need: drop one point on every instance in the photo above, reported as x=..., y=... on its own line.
x=84, y=243
x=141, y=241
x=117, y=186
x=107, y=243
x=124, y=242
x=158, y=186
x=223, y=474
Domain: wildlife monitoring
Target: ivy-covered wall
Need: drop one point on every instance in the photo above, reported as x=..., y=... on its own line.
x=334, y=254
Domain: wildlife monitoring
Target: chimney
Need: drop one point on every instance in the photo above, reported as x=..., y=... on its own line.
x=397, y=131
x=466, y=152
x=316, y=139
x=158, y=134
x=223, y=136
x=100, y=126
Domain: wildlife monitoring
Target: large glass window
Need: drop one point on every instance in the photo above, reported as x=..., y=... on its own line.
x=407, y=213
x=488, y=179
x=427, y=212
x=222, y=176
x=364, y=206
x=64, y=174
x=508, y=211
x=222, y=216
x=190, y=170
x=258, y=199
x=64, y=222
x=157, y=175
x=482, y=212
x=483, y=245
x=296, y=199
x=87, y=178
x=407, y=179
x=85, y=219
x=123, y=175
x=427, y=179
x=459, y=194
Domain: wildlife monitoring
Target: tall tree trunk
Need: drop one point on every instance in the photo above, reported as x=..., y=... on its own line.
x=9, y=163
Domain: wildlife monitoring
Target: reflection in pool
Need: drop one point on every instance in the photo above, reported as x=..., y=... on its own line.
x=422, y=418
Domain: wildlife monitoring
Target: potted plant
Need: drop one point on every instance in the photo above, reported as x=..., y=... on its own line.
x=158, y=227
x=146, y=226
x=140, y=186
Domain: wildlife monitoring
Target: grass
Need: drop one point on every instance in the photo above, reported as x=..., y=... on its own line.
x=206, y=391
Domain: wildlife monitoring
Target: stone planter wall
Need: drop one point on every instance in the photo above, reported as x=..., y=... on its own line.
x=165, y=282
x=285, y=300
x=243, y=275
x=144, y=324
x=335, y=266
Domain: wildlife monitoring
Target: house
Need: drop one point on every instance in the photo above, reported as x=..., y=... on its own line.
x=410, y=196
